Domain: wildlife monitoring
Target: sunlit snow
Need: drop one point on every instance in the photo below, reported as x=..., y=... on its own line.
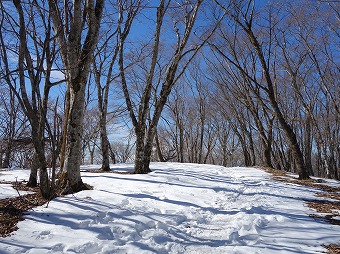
x=178, y=208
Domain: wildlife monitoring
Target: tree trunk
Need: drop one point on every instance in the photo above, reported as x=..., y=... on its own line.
x=308, y=145
x=76, y=47
x=159, y=150
x=112, y=155
x=105, y=145
x=45, y=187
x=74, y=136
x=8, y=152
x=32, y=182
x=1, y=155
x=142, y=160
x=289, y=132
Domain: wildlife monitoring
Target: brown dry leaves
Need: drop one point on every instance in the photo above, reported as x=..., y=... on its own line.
x=12, y=210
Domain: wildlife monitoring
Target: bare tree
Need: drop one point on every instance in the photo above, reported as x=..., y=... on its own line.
x=182, y=54
x=76, y=25
x=35, y=57
x=242, y=13
x=103, y=67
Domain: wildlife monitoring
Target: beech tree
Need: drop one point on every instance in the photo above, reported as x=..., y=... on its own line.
x=158, y=81
x=76, y=26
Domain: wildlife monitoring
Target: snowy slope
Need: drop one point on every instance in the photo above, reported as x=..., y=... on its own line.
x=178, y=208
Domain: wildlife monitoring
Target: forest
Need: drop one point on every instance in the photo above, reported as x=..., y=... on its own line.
x=231, y=83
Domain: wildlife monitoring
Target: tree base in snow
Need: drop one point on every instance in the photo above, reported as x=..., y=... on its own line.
x=64, y=186
x=142, y=171
x=106, y=169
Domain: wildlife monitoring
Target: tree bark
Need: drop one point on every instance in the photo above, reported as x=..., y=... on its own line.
x=33, y=182
x=76, y=55
x=75, y=134
x=159, y=150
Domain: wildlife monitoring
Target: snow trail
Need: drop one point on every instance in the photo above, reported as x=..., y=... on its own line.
x=178, y=208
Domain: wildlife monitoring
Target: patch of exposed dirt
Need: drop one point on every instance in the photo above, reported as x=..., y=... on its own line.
x=327, y=208
x=13, y=209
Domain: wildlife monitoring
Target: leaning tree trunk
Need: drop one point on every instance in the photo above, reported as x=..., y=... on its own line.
x=158, y=148
x=287, y=129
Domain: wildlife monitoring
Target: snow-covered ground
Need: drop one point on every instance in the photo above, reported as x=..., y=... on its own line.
x=178, y=208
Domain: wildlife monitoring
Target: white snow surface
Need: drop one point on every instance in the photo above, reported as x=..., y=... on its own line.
x=178, y=208
x=6, y=189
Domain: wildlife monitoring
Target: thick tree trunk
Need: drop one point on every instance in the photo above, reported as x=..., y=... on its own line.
x=45, y=187
x=112, y=155
x=65, y=125
x=142, y=160
x=74, y=137
x=8, y=152
x=267, y=157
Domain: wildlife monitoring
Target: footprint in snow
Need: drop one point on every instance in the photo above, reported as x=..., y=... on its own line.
x=87, y=248
x=84, y=224
x=125, y=202
x=44, y=235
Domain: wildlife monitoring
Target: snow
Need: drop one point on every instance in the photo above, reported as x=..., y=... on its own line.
x=6, y=190
x=178, y=208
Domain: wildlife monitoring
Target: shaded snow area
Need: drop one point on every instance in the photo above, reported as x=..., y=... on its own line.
x=178, y=208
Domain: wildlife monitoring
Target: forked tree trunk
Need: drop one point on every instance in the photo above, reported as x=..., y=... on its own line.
x=76, y=43
x=142, y=162
x=145, y=135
